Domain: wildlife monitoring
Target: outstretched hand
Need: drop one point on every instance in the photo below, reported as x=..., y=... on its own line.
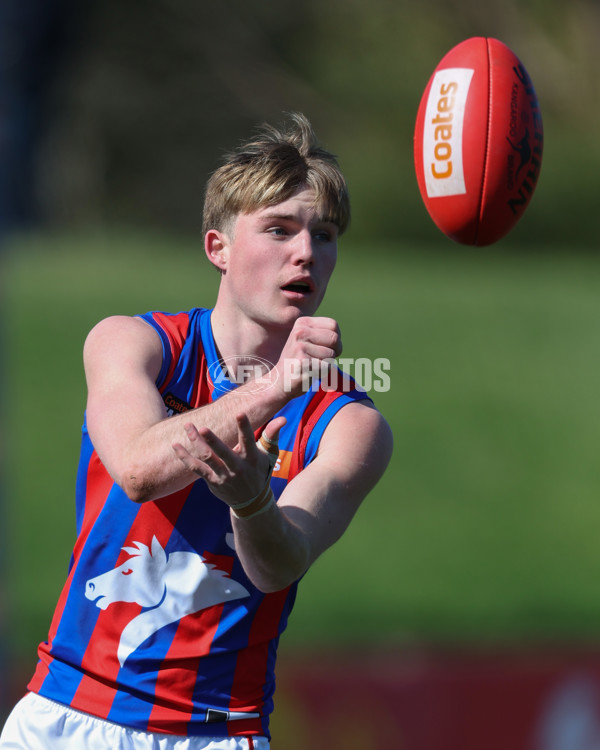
x=234, y=475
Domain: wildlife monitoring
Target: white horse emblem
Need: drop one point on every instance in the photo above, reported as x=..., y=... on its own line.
x=167, y=587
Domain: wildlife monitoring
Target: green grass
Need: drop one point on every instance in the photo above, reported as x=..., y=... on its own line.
x=485, y=526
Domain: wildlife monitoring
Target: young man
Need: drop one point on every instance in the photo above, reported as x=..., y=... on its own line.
x=201, y=501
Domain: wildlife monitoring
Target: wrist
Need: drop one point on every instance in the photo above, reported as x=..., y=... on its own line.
x=256, y=506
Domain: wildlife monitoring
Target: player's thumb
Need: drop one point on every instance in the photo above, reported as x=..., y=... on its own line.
x=268, y=442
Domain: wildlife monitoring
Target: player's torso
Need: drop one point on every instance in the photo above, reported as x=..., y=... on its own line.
x=158, y=625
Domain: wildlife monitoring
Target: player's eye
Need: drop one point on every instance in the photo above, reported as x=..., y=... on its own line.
x=325, y=234
x=277, y=231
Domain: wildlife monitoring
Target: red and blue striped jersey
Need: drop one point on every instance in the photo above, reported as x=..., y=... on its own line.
x=158, y=627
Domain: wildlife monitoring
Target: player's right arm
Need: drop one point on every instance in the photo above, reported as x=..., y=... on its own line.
x=126, y=417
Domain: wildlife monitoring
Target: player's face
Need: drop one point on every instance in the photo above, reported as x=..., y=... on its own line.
x=280, y=260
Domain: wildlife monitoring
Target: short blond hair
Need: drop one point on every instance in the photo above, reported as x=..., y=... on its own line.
x=269, y=169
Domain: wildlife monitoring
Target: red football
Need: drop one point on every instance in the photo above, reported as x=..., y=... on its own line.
x=478, y=142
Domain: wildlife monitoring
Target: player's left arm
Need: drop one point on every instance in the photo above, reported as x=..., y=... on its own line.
x=277, y=547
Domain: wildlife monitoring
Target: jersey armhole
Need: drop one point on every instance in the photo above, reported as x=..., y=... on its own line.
x=167, y=351
x=319, y=421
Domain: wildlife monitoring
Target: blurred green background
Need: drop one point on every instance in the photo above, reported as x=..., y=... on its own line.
x=484, y=530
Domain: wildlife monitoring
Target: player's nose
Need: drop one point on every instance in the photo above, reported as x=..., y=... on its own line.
x=304, y=250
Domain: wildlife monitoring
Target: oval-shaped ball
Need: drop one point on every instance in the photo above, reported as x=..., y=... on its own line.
x=478, y=142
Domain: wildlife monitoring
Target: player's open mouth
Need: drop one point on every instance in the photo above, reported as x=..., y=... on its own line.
x=299, y=287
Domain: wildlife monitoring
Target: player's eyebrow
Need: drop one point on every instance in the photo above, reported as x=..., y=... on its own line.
x=276, y=215
x=271, y=215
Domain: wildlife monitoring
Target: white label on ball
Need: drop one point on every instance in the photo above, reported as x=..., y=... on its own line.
x=443, y=131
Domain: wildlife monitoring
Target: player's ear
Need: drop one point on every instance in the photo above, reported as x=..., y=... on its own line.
x=216, y=247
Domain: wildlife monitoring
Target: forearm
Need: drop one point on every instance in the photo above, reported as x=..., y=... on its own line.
x=127, y=419
x=273, y=549
x=277, y=542
x=278, y=546
x=149, y=468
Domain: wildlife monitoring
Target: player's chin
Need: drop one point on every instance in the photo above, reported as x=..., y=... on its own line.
x=295, y=311
x=303, y=304
x=286, y=317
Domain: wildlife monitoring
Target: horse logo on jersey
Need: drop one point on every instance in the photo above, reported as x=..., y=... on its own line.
x=167, y=587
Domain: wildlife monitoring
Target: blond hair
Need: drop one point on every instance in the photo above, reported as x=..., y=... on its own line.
x=269, y=169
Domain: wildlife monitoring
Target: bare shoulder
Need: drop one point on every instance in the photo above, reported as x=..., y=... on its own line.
x=361, y=420
x=120, y=328
x=358, y=440
x=127, y=340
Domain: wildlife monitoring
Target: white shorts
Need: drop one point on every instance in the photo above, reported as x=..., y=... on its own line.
x=37, y=723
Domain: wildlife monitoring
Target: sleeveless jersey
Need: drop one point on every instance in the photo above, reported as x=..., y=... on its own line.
x=157, y=626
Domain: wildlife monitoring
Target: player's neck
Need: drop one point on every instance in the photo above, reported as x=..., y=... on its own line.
x=238, y=336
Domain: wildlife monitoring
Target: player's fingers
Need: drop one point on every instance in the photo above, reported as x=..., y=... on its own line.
x=320, y=352
x=319, y=321
x=268, y=442
x=271, y=431
x=245, y=435
x=322, y=343
x=209, y=449
x=194, y=464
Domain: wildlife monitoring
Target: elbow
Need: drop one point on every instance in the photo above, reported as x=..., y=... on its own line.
x=273, y=584
x=266, y=587
x=136, y=494
x=138, y=488
x=269, y=579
